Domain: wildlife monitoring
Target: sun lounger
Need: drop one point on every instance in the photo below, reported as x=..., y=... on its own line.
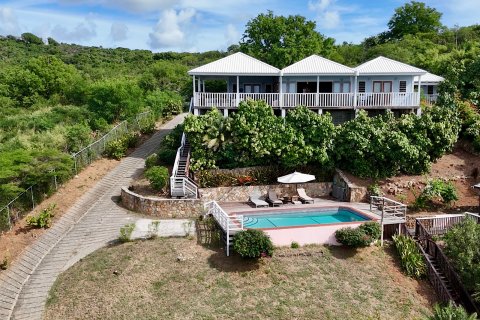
x=303, y=196
x=273, y=199
x=257, y=202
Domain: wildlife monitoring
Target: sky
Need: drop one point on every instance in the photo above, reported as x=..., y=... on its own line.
x=202, y=25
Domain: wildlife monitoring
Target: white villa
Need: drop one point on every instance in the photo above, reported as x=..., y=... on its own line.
x=320, y=84
x=429, y=87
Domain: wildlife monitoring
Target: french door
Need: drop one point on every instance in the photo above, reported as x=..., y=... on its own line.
x=382, y=87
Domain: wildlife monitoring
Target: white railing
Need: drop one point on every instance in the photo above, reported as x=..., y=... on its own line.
x=392, y=99
x=312, y=100
x=392, y=212
x=226, y=222
x=430, y=98
x=270, y=98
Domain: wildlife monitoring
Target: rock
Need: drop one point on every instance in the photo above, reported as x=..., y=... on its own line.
x=181, y=258
x=115, y=272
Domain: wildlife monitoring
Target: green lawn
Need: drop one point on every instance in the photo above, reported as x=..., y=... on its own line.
x=144, y=280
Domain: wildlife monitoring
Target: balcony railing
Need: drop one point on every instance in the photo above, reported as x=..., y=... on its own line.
x=430, y=98
x=391, y=99
x=312, y=100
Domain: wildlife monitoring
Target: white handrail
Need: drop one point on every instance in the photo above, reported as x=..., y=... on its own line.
x=388, y=99
x=226, y=222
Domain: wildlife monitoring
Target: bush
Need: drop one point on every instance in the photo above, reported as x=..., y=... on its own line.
x=436, y=189
x=157, y=176
x=372, y=229
x=77, y=137
x=461, y=246
x=411, y=259
x=43, y=219
x=451, y=312
x=151, y=161
x=252, y=243
x=116, y=149
x=374, y=190
x=126, y=232
x=353, y=237
x=294, y=245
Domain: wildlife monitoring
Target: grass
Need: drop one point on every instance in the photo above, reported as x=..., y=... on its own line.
x=144, y=280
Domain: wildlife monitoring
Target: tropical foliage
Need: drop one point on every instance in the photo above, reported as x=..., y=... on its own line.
x=411, y=259
x=376, y=147
x=253, y=244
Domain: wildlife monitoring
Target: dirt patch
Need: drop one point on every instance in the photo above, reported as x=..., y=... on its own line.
x=460, y=167
x=13, y=242
x=147, y=280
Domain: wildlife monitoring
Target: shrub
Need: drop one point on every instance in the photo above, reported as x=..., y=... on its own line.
x=126, y=232
x=374, y=190
x=157, y=176
x=147, y=125
x=43, y=219
x=411, y=259
x=436, y=189
x=461, y=246
x=131, y=139
x=151, y=160
x=372, y=229
x=252, y=243
x=353, y=237
x=294, y=245
x=4, y=263
x=77, y=137
x=451, y=312
x=116, y=149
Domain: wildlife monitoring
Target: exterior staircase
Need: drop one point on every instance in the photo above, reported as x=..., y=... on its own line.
x=181, y=184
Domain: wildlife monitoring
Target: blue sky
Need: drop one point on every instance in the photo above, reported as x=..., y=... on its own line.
x=200, y=25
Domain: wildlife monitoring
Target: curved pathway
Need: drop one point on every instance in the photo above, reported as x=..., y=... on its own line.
x=91, y=223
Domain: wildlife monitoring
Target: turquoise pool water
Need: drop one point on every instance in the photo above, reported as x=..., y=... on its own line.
x=301, y=218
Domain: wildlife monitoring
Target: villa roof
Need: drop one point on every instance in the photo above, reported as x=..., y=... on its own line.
x=234, y=65
x=386, y=66
x=430, y=78
x=316, y=65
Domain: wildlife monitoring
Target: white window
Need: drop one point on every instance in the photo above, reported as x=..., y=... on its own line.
x=252, y=88
x=341, y=87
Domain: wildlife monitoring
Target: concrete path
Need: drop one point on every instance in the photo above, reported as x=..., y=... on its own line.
x=91, y=223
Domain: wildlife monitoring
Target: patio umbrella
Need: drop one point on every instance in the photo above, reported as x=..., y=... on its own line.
x=296, y=177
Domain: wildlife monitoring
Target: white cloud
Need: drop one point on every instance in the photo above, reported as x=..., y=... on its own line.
x=128, y=5
x=85, y=30
x=170, y=29
x=232, y=35
x=8, y=22
x=118, y=31
x=328, y=14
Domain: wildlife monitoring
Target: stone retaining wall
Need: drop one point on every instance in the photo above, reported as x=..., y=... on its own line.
x=161, y=207
x=241, y=193
x=354, y=193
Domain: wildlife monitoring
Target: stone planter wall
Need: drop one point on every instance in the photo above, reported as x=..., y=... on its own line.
x=160, y=207
x=241, y=193
x=353, y=192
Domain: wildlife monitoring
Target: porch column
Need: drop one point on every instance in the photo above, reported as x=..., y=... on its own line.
x=195, y=102
x=203, y=85
x=225, y=112
x=320, y=111
x=199, y=89
x=317, y=97
x=280, y=89
x=419, y=110
x=237, y=96
x=355, y=90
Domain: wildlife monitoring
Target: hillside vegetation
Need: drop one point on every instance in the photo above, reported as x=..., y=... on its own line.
x=56, y=98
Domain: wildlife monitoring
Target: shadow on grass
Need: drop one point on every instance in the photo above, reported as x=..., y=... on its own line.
x=233, y=263
x=342, y=252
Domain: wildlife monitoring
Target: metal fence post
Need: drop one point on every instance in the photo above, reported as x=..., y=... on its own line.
x=33, y=201
x=9, y=218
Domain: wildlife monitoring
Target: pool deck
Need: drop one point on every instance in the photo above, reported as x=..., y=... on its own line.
x=239, y=207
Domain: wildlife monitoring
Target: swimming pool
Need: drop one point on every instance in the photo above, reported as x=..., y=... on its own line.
x=296, y=218
x=313, y=225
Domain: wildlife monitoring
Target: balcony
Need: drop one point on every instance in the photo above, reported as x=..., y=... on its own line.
x=311, y=100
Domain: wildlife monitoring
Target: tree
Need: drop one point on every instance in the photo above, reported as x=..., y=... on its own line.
x=412, y=18
x=31, y=38
x=281, y=41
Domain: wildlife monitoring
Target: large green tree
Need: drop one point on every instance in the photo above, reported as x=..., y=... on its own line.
x=281, y=41
x=412, y=18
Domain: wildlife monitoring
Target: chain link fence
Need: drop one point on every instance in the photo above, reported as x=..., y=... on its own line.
x=26, y=201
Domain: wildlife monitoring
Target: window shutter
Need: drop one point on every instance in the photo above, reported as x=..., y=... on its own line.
x=403, y=86
x=361, y=86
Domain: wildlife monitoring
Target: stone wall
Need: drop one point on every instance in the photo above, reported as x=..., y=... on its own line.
x=241, y=193
x=161, y=207
x=353, y=193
